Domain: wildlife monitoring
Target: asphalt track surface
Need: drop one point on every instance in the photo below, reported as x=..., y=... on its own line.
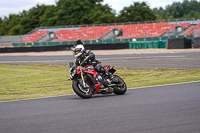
x=156, y=60
x=160, y=109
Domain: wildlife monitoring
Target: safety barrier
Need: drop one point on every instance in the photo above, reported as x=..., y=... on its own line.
x=147, y=44
x=107, y=41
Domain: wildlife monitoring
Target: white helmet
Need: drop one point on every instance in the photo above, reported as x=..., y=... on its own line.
x=78, y=50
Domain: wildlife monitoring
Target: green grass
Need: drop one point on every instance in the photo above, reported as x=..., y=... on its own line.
x=33, y=81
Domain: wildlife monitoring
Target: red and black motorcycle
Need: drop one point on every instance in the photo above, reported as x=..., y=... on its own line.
x=88, y=82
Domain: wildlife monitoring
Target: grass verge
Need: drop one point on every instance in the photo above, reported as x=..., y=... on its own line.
x=33, y=81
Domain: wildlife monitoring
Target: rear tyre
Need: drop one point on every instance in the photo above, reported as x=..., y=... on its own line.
x=120, y=90
x=80, y=91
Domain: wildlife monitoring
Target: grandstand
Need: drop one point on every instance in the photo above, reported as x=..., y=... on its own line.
x=97, y=32
x=103, y=32
x=196, y=30
x=34, y=37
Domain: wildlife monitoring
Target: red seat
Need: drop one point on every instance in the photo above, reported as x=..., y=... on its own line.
x=34, y=36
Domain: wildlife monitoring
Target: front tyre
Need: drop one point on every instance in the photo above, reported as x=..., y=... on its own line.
x=121, y=88
x=80, y=91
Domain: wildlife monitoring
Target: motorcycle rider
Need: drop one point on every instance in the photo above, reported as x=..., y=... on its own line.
x=87, y=57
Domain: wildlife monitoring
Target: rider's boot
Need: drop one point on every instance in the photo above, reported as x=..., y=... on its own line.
x=111, y=77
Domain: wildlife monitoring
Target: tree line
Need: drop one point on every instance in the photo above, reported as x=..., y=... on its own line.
x=179, y=10
x=78, y=12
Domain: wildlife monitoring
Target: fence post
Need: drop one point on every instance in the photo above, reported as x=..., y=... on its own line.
x=168, y=32
x=60, y=38
x=198, y=31
x=81, y=37
x=144, y=35
x=193, y=32
x=102, y=37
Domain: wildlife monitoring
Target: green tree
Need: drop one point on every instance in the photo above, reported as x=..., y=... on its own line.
x=14, y=20
x=102, y=14
x=49, y=17
x=34, y=15
x=185, y=9
x=8, y=23
x=2, y=25
x=73, y=12
x=17, y=30
x=136, y=12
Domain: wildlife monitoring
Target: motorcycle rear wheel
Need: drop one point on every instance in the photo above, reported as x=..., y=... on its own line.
x=80, y=91
x=120, y=90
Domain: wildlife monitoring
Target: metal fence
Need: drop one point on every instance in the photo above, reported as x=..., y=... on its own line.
x=6, y=41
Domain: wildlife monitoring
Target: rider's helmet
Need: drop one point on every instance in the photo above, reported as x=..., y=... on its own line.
x=78, y=42
x=78, y=50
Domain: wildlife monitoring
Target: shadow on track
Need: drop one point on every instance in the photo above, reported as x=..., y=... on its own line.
x=75, y=97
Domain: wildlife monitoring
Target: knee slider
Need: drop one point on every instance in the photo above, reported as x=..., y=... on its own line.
x=98, y=67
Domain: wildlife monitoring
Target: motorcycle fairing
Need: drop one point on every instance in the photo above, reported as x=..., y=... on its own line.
x=110, y=69
x=94, y=73
x=97, y=87
x=78, y=69
x=107, y=67
x=90, y=71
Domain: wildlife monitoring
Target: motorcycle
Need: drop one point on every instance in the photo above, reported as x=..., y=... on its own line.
x=87, y=82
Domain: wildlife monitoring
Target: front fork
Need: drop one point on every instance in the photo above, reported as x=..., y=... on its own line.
x=84, y=84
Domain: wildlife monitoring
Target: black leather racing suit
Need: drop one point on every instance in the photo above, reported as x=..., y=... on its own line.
x=88, y=58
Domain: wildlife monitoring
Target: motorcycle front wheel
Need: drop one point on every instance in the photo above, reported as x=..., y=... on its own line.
x=80, y=91
x=120, y=90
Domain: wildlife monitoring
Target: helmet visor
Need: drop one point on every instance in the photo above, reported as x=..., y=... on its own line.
x=77, y=51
